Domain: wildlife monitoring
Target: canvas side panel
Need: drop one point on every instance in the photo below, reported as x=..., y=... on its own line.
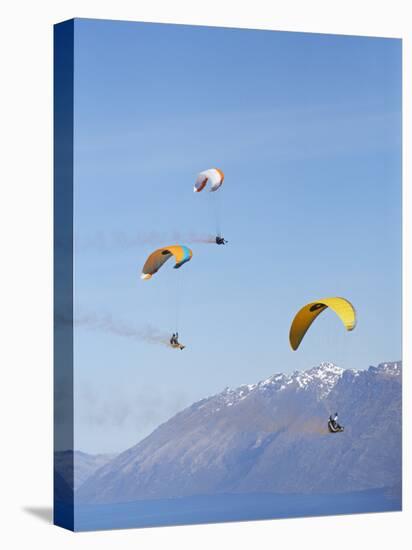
x=63, y=274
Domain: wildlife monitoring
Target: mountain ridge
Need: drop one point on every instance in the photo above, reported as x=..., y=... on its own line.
x=268, y=437
x=75, y=467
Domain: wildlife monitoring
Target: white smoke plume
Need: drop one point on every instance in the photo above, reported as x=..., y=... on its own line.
x=107, y=324
x=106, y=242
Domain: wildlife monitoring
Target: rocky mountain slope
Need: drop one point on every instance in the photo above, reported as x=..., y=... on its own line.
x=84, y=465
x=268, y=437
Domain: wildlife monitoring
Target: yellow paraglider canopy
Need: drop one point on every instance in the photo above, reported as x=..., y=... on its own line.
x=305, y=317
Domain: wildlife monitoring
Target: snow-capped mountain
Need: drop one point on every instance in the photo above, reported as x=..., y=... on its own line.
x=269, y=437
x=321, y=379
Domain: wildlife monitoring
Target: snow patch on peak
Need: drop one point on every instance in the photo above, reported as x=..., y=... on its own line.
x=325, y=369
x=320, y=379
x=393, y=368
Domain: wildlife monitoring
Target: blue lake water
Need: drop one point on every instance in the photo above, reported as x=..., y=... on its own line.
x=224, y=508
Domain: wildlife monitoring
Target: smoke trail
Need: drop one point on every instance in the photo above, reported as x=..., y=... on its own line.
x=314, y=425
x=206, y=239
x=310, y=426
x=123, y=241
x=107, y=324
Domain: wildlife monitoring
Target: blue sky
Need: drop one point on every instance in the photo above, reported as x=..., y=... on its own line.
x=307, y=129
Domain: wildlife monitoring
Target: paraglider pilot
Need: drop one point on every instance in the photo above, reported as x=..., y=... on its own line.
x=220, y=240
x=333, y=422
x=174, y=341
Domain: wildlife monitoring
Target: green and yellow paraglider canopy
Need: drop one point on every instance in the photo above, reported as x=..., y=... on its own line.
x=305, y=317
x=154, y=262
